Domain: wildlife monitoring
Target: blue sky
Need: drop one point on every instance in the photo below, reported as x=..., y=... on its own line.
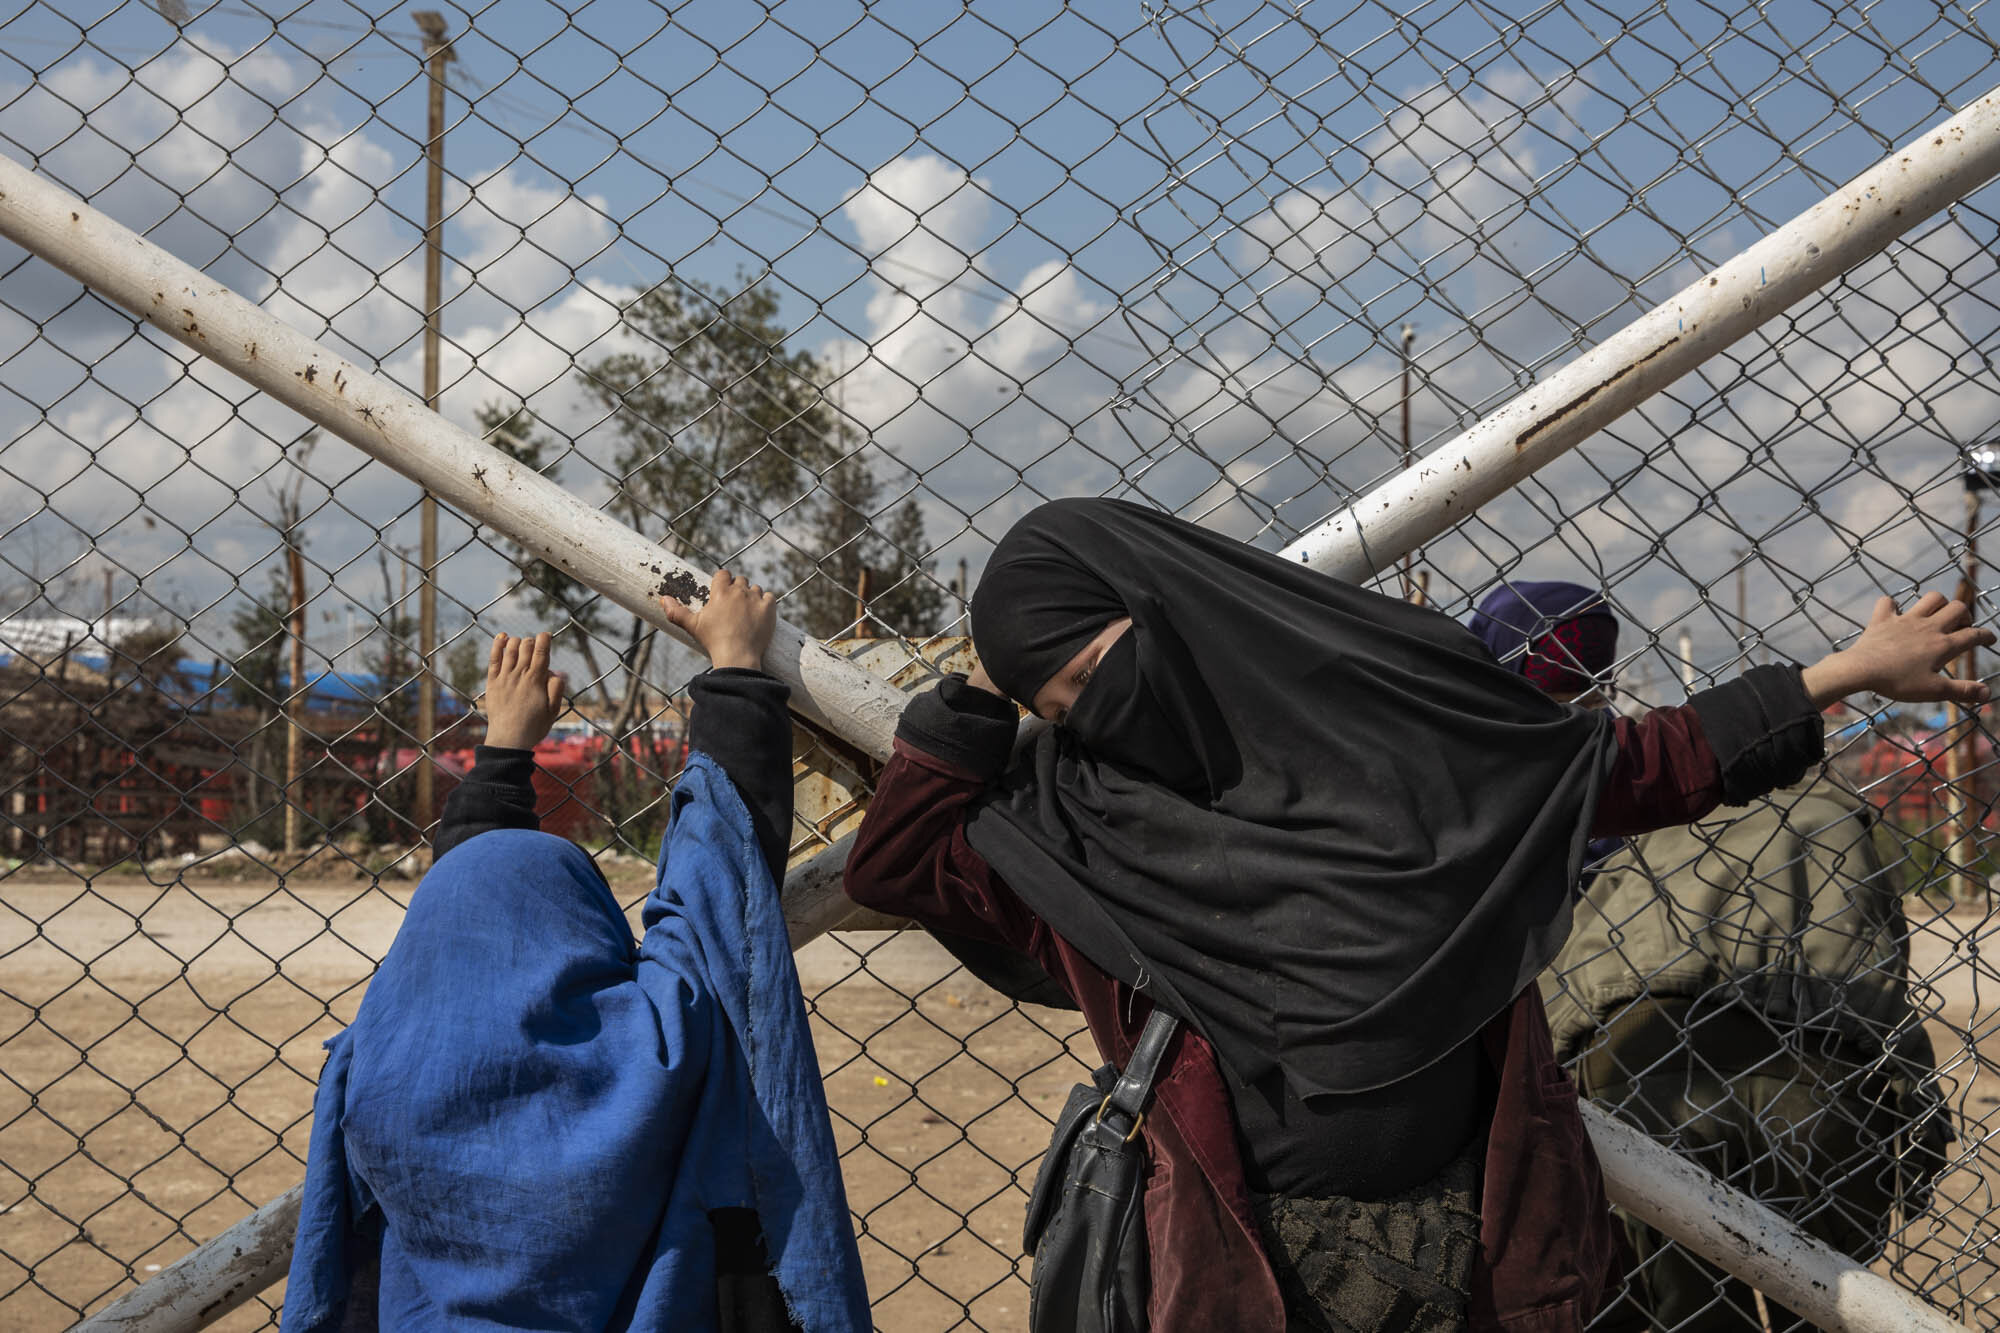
x=1161, y=250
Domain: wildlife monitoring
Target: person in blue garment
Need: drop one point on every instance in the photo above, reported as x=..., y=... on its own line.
x=534, y=1122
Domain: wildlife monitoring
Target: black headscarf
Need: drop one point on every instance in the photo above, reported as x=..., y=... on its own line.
x=1322, y=825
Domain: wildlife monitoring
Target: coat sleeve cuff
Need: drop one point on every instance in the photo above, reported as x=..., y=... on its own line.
x=738, y=719
x=504, y=766
x=1763, y=728
x=963, y=725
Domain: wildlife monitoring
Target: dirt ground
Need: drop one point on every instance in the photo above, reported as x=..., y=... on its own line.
x=170, y=1037
x=158, y=1047
x=1949, y=1253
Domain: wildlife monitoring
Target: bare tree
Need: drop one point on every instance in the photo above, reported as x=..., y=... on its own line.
x=290, y=502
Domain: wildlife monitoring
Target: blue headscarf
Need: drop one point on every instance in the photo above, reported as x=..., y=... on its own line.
x=531, y=1119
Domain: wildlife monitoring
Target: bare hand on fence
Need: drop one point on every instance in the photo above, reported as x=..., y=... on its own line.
x=523, y=697
x=1902, y=655
x=733, y=626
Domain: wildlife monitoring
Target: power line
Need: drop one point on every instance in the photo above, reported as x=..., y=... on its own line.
x=304, y=23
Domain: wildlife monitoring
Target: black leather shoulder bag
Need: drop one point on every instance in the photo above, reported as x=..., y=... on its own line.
x=1086, y=1223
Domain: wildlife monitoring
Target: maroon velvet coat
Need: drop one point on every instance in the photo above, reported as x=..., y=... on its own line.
x=1548, y=1256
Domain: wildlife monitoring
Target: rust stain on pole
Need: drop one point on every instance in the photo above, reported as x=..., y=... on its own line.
x=1527, y=436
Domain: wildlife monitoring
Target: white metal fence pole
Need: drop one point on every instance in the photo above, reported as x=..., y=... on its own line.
x=1748, y=1240
x=1858, y=220
x=210, y=1280
x=390, y=425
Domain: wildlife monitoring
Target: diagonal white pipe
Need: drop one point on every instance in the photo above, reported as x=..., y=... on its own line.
x=1855, y=222
x=1749, y=1241
x=388, y=424
x=210, y=1280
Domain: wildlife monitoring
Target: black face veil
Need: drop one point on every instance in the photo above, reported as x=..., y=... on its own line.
x=1320, y=824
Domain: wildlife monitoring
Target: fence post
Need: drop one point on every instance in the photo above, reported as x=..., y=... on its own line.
x=1730, y=1229
x=209, y=1281
x=1504, y=448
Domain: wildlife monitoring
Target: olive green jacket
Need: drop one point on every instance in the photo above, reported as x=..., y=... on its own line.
x=1792, y=908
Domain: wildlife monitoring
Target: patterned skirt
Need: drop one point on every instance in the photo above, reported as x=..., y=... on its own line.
x=1397, y=1265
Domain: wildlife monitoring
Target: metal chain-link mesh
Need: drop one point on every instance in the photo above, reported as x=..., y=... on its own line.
x=835, y=292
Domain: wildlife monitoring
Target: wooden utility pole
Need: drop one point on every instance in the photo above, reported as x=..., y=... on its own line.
x=295, y=706
x=862, y=630
x=438, y=53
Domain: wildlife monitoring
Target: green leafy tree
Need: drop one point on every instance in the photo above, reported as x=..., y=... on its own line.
x=845, y=537
x=150, y=656
x=719, y=426
x=721, y=429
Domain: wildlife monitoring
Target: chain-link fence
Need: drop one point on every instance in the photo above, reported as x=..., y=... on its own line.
x=836, y=292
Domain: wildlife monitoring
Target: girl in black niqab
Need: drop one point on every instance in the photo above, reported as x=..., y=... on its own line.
x=1322, y=826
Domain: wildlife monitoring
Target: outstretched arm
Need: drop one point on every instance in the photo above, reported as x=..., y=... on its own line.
x=1738, y=740
x=739, y=717
x=911, y=857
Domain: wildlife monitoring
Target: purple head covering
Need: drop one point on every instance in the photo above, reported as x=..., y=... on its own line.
x=1558, y=635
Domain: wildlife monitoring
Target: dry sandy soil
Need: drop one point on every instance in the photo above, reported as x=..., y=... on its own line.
x=158, y=1046
x=169, y=1037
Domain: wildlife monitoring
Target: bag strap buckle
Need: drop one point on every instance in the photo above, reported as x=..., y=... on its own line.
x=1137, y=1120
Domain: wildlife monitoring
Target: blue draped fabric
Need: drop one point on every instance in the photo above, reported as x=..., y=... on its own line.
x=530, y=1120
